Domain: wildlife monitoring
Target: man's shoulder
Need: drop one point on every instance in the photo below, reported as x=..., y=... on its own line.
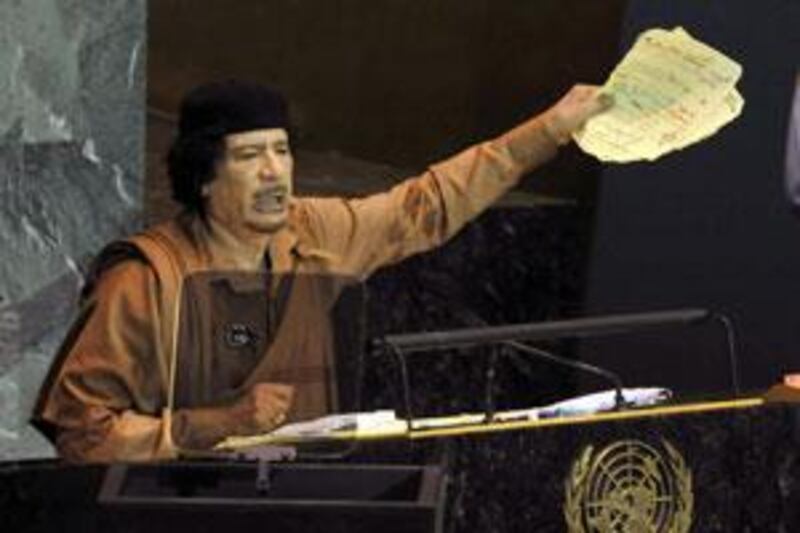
x=115, y=263
x=312, y=213
x=304, y=204
x=162, y=250
x=312, y=223
x=169, y=244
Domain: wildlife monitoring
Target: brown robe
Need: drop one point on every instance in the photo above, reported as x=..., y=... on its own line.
x=107, y=396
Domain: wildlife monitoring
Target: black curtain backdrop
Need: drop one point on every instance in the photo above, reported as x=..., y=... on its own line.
x=710, y=226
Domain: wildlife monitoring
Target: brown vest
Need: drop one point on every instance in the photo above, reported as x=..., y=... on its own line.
x=232, y=330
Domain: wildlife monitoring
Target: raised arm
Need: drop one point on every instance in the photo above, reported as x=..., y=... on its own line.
x=361, y=235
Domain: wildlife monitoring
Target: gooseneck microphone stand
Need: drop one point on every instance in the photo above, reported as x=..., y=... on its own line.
x=399, y=346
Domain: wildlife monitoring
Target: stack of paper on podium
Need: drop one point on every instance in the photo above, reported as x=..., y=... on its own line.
x=385, y=424
x=670, y=91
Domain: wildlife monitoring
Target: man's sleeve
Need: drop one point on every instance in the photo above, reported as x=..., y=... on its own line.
x=361, y=235
x=105, y=399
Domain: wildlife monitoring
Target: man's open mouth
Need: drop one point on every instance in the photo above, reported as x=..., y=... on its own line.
x=272, y=200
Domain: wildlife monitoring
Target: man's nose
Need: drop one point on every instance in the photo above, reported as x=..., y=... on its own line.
x=271, y=167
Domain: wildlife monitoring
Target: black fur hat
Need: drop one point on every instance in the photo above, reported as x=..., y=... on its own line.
x=231, y=106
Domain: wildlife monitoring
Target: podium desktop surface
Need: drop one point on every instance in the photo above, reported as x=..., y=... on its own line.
x=478, y=423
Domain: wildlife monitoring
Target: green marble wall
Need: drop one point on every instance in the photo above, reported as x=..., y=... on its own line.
x=72, y=84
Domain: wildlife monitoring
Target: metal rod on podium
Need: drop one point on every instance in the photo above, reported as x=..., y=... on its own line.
x=579, y=327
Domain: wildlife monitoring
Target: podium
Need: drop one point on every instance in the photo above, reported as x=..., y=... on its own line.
x=703, y=467
x=209, y=497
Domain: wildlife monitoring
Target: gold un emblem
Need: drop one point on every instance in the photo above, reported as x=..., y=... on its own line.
x=629, y=487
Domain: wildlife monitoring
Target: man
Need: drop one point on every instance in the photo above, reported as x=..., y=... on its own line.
x=108, y=396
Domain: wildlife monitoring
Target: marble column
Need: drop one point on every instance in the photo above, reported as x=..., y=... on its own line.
x=71, y=157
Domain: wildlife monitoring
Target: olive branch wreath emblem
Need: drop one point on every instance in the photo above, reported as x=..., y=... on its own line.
x=629, y=487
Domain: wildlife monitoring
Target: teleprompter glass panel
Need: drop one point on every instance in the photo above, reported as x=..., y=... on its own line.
x=240, y=329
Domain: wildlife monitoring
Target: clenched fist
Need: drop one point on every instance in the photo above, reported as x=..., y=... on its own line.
x=263, y=408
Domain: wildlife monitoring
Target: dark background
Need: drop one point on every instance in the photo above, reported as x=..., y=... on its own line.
x=710, y=226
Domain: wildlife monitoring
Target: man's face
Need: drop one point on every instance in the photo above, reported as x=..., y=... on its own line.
x=253, y=183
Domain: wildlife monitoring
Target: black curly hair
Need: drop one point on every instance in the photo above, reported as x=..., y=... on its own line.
x=191, y=164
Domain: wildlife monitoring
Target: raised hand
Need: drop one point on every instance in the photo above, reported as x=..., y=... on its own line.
x=571, y=112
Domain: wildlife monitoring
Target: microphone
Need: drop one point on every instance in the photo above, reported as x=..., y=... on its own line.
x=511, y=335
x=616, y=382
